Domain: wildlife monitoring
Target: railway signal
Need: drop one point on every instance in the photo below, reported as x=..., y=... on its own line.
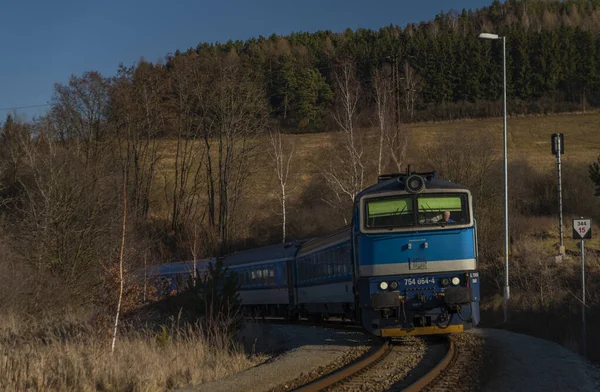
x=558, y=148
x=582, y=230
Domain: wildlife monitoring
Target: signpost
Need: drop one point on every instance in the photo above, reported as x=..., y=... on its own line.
x=582, y=230
x=558, y=148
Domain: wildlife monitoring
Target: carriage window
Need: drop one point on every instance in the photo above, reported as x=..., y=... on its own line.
x=271, y=274
x=443, y=209
x=389, y=212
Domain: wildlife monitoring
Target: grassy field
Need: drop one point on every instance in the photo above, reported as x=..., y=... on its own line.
x=529, y=140
x=529, y=137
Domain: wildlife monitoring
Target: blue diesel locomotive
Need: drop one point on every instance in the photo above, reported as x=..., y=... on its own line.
x=407, y=264
x=415, y=255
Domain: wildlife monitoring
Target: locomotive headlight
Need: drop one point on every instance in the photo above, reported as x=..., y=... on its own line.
x=394, y=285
x=383, y=285
x=455, y=281
x=445, y=282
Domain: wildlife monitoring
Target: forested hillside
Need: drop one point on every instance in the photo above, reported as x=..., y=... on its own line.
x=439, y=69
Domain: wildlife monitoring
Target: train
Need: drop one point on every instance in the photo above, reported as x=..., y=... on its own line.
x=407, y=264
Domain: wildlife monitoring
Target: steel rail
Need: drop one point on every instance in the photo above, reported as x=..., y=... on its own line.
x=347, y=372
x=432, y=375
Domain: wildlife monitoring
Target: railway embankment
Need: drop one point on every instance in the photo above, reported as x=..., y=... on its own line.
x=299, y=354
x=485, y=359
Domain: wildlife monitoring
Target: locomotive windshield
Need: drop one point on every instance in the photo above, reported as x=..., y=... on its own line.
x=392, y=211
x=443, y=209
x=399, y=211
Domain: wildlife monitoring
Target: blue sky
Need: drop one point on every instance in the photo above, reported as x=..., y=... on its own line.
x=44, y=42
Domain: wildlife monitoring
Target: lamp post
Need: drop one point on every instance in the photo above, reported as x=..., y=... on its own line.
x=506, y=286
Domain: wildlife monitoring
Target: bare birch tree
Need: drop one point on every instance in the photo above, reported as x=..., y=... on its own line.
x=346, y=170
x=194, y=250
x=121, y=257
x=412, y=85
x=383, y=111
x=280, y=161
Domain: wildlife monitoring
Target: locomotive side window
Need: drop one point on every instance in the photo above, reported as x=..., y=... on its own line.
x=394, y=211
x=443, y=209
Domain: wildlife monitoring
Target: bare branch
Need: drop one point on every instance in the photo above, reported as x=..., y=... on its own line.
x=281, y=166
x=345, y=171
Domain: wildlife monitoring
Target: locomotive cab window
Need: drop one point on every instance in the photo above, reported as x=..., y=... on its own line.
x=443, y=209
x=388, y=212
x=410, y=211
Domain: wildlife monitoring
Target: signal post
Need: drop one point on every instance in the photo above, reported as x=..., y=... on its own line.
x=582, y=230
x=558, y=148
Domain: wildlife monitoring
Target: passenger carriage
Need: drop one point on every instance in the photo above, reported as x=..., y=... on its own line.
x=174, y=277
x=323, y=276
x=265, y=276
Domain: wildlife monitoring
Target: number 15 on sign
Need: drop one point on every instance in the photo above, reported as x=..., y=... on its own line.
x=582, y=229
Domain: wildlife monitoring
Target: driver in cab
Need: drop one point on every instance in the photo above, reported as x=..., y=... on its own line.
x=446, y=217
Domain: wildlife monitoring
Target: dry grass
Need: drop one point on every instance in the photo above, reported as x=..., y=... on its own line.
x=68, y=357
x=528, y=140
x=545, y=295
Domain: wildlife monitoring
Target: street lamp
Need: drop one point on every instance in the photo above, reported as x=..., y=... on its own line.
x=506, y=286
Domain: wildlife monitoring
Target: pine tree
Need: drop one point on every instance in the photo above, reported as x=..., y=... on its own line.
x=311, y=96
x=219, y=298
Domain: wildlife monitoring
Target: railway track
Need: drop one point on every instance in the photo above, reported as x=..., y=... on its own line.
x=430, y=363
x=381, y=369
